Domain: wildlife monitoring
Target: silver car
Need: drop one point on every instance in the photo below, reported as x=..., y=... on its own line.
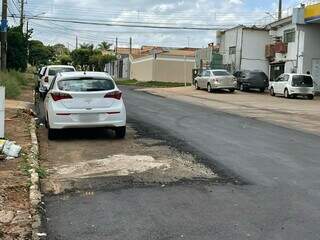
x=216, y=79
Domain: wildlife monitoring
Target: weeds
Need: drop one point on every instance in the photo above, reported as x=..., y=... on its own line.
x=12, y=81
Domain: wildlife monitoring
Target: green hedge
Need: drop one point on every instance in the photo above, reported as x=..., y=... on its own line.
x=12, y=81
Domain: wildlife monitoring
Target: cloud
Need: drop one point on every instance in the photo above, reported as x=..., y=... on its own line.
x=156, y=12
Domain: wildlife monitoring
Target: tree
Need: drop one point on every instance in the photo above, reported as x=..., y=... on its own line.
x=88, y=46
x=104, y=46
x=39, y=54
x=81, y=57
x=65, y=59
x=17, y=49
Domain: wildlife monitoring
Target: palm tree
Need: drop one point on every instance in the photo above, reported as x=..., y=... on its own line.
x=104, y=46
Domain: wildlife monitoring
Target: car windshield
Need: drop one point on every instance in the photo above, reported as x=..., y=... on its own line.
x=53, y=71
x=302, y=81
x=86, y=85
x=221, y=73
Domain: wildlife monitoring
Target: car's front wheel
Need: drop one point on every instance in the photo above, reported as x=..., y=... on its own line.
x=272, y=92
x=120, y=132
x=286, y=93
x=196, y=86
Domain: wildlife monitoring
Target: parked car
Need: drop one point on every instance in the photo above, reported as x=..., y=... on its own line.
x=247, y=80
x=292, y=85
x=84, y=100
x=49, y=73
x=215, y=79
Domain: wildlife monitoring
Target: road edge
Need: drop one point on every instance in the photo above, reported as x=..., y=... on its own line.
x=34, y=194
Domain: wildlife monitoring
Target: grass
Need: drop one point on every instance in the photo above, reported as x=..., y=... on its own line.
x=150, y=84
x=13, y=81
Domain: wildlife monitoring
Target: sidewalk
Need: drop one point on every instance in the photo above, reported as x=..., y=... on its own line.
x=297, y=114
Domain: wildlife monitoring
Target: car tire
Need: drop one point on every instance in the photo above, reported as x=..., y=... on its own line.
x=52, y=134
x=209, y=89
x=272, y=92
x=196, y=86
x=120, y=132
x=286, y=93
x=231, y=90
x=310, y=97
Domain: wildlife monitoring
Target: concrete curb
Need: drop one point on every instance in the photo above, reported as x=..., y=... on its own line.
x=35, y=194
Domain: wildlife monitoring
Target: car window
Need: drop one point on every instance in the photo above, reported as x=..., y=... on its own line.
x=302, y=81
x=279, y=79
x=86, y=85
x=52, y=83
x=54, y=70
x=207, y=74
x=221, y=73
x=285, y=78
x=258, y=75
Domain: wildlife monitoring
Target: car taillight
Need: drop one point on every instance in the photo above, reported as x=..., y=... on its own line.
x=60, y=96
x=46, y=79
x=115, y=94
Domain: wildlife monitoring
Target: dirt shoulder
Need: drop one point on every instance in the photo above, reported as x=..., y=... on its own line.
x=15, y=212
x=300, y=114
x=15, y=216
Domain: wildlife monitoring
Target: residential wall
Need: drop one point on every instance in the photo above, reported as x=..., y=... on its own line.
x=142, y=69
x=163, y=69
x=173, y=69
x=311, y=51
x=253, y=50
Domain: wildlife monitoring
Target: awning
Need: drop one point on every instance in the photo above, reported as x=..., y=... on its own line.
x=312, y=13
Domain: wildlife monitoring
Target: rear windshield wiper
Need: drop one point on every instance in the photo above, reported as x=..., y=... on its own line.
x=95, y=89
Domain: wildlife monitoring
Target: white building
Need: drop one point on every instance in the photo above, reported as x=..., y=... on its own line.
x=243, y=48
x=295, y=45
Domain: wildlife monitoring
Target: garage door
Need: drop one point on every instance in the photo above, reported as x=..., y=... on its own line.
x=316, y=73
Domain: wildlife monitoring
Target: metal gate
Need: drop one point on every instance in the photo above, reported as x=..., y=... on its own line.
x=316, y=73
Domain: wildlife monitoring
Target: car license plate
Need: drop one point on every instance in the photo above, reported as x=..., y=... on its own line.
x=88, y=117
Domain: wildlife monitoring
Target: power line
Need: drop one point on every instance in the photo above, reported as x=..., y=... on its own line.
x=132, y=25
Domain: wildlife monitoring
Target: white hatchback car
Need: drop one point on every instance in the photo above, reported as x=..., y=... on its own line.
x=49, y=72
x=84, y=100
x=292, y=85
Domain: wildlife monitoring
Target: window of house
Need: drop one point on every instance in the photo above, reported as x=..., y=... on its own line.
x=289, y=35
x=232, y=50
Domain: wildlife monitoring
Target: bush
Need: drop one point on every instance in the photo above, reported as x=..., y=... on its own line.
x=12, y=81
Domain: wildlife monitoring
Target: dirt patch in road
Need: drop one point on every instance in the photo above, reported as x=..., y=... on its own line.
x=91, y=159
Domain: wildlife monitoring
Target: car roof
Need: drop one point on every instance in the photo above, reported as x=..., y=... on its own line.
x=66, y=66
x=297, y=74
x=64, y=75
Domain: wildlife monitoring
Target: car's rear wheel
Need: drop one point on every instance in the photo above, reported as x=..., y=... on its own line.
x=196, y=85
x=272, y=92
x=120, y=132
x=310, y=97
x=232, y=90
x=209, y=88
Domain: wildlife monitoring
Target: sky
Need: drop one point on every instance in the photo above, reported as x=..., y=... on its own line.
x=198, y=13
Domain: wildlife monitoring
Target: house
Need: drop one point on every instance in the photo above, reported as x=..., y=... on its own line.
x=243, y=48
x=295, y=45
x=173, y=65
x=208, y=57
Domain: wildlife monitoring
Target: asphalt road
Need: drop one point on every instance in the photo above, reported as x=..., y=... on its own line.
x=280, y=200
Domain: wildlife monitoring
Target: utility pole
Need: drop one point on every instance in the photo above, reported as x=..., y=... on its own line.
x=21, y=13
x=116, y=50
x=130, y=43
x=4, y=28
x=280, y=10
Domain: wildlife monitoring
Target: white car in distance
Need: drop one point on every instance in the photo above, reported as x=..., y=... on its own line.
x=49, y=72
x=84, y=100
x=291, y=85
